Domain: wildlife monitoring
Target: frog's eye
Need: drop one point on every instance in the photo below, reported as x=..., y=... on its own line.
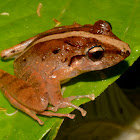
x=95, y=52
x=109, y=25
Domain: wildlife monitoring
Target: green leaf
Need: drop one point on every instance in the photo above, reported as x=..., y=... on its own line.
x=22, y=22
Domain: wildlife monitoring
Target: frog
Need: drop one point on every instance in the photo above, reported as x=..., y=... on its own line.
x=46, y=61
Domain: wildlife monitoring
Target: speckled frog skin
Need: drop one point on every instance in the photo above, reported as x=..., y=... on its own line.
x=46, y=60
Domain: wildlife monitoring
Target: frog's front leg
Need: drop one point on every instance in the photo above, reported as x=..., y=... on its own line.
x=57, y=101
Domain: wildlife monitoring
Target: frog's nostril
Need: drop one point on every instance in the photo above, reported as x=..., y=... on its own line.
x=13, y=51
x=127, y=53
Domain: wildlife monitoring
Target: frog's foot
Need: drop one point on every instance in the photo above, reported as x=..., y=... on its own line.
x=66, y=102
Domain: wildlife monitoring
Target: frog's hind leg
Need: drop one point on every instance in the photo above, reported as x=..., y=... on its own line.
x=33, y=113
x=21, y=107
x=20, y=95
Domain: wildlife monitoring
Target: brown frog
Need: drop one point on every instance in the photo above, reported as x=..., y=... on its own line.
x=46, y=60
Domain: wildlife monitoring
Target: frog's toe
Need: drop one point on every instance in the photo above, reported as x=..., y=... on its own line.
x=92, y=97
x=84, y=112
x=47, y=113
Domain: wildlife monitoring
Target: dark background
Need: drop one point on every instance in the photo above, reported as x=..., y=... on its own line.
x=131, y=78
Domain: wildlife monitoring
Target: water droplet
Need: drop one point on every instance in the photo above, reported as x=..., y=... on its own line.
x=53, y=76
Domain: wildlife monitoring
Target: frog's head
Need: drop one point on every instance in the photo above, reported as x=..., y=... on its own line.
x=105, y=50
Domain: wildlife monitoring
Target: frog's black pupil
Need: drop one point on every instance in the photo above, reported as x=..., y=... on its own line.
x=97, y=55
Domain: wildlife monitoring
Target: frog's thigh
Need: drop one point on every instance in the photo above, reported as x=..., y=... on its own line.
x=22, y=92
x=21, y=107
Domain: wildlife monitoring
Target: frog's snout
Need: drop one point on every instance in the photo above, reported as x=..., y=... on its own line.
x=126, y=52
